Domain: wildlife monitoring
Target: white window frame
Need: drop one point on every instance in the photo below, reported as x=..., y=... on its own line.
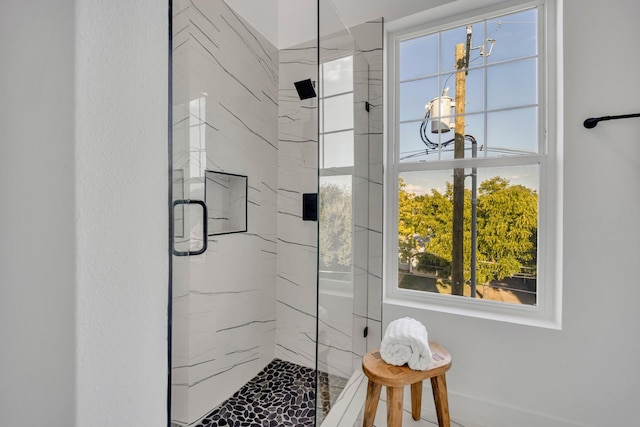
x=547, y=313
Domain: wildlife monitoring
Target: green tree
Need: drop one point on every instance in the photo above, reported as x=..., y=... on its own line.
x=412, y=230
x=507, y=229
x=335, y=227
x=507, y=226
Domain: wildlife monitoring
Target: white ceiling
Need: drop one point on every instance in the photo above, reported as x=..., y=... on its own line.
x=355, y=12
x=261, y=14
x=286, y=23
x=289, y=22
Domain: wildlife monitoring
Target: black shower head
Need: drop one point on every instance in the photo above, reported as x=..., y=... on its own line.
x=305, y=89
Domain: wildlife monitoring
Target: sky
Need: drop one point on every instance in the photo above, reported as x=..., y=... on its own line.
x=502, y=117
x=509, y=125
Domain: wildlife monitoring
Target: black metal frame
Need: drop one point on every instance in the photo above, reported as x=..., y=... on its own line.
x=170, y=207
x=205, y=219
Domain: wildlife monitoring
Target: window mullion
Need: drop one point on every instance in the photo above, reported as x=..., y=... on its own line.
x=468, y=162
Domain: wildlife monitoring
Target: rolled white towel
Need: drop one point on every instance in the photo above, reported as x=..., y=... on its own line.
x=406, y=341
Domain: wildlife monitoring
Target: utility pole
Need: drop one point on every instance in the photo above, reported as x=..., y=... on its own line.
x=457, y=240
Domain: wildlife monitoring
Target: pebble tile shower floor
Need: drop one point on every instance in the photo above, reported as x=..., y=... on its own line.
x=282, y=394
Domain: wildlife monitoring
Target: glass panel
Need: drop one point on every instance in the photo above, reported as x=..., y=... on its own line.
x=417, y=57
x=506, y=235
x=474, y=131
x=512, y=132
x=349, y=152
x=337, y=149
x=197, y=132
x=320, y=116
x=512, y=84
x=475, y=91
x=335, y=217
x=181, y=274
x=451, y=38
x=419, y=144
x=515, y=35
x=415, y=95
x=336, y=223
x=225, y=118
x=337, y=76
x=338, y=113
x=412, y=149
x=335, y=323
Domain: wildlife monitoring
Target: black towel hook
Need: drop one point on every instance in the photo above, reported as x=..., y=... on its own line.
x=593, y=121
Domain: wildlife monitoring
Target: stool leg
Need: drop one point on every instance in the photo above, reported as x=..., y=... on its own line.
x=439, y=386
x=394, y=406
x=371, y=404
x=416, y=400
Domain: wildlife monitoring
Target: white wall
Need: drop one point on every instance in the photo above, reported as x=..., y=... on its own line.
x=297, y=22
x=121, y=212
x=83, y=107
x=37, y=210
x=588, y=373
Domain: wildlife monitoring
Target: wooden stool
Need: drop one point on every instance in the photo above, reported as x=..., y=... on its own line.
x=396, y=377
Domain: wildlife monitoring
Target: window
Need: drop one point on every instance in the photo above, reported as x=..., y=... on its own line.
x=474, y=183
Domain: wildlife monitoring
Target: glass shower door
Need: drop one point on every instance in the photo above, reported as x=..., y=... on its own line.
x=180, y=268
x=189, y=217
x=350, y=220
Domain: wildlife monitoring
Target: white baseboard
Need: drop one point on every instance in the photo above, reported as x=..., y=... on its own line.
x=466, y=411
x=471, y=411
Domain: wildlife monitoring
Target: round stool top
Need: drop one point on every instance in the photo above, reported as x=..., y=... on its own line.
x=380, y=372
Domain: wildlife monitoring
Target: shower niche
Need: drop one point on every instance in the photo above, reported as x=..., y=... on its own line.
x=226, y=199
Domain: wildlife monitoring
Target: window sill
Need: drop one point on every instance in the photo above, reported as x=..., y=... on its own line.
x=463, y=306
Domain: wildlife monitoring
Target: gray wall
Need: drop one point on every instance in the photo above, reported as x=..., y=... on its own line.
x=84, y=176
x=37, y=230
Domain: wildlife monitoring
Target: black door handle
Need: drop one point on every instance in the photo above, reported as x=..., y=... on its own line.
x=205, y=236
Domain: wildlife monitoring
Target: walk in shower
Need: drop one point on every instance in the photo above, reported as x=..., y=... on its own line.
x=271, y=311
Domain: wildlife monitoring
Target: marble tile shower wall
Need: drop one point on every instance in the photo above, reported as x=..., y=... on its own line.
x=296, y=304
x=225, y=119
